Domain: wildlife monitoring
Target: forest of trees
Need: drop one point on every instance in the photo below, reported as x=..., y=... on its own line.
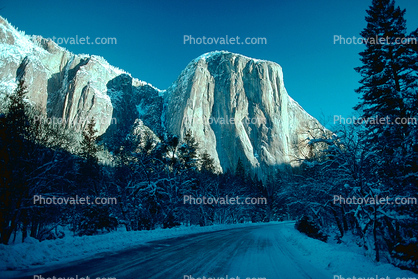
x=150, y=175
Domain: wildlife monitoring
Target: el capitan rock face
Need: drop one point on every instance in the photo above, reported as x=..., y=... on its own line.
x=235, y=106
x=238, y=107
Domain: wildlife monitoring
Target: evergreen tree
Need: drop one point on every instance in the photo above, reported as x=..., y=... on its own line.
x=207, y=163
x=14, y=165
x=240, y=171
x=89, y=167
x=384, y=71
x=88, y=144
x=388, y=91
x=385, y=90
x=411, y=158
x=188, y=151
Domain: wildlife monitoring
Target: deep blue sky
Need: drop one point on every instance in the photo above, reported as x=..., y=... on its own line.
x=317, y=74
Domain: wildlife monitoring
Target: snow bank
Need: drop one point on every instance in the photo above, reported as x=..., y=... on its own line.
x=33, y=253
x=345, y=260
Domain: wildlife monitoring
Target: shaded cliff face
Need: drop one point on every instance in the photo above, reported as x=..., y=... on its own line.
x=238, y=107
x=74, y=88
x=235, y=106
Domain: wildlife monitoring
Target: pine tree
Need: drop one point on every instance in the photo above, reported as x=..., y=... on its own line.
x=411, y=156
x=188, y=151
x=388, y=91
x=90, y=169
x=385, y=94
x=207, y=163
x=88, y=144
x=240, y=172
x=14, y=149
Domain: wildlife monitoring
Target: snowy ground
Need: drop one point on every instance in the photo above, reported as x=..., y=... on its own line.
x=340, y=261
x=33, y=253
x=345, y=260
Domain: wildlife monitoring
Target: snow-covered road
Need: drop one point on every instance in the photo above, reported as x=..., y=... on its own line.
x=247, y=252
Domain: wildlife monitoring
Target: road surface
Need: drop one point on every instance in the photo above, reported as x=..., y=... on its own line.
x=248, y=252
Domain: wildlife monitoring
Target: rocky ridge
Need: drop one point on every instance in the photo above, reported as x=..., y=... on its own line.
x=235, y=106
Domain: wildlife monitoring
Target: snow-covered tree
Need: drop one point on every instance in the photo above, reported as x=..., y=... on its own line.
x=389, y=91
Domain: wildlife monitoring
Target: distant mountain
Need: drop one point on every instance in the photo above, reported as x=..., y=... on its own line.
x=235, y=106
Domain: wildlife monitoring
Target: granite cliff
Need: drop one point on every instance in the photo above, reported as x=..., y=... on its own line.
x=238, y=107
x=74, y=88
x=235, y=106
